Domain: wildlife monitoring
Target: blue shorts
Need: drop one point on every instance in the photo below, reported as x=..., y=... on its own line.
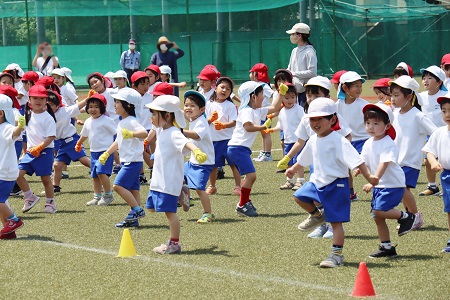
x=412, y=176
x=5, y=188
x=240, y=156
x=220, y=152
x=98, y=168
x=41, y=165
x=445, y=183
x=162, y=202
x=128, y=176
x=66, y=152
x=18, y=146
x=334, y=197
x=385, y=199
x=358, y=145
x=281, y=135
x=56, y=144
x=24, y=136
x=287, y=148
x=197, y=176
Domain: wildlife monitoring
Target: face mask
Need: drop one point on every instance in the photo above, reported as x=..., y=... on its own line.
x=293, y=39
x=163, y=48
x=46, y=52
x=131, y=46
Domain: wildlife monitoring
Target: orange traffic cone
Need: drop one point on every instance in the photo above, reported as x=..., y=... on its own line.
x=126, y=246
x=363, y=284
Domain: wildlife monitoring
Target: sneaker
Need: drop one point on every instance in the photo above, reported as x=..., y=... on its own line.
x=333, y=261
x=29, y=203
x=383, y=252
x=65, y=175
x=318, y=232
x=206, y=218
x=247, y=210
x=94, y=201
x=447, y=248
x=237, y=190
x=329, y=233
x=106, y=200
x=16, y=191
x=168, y=248
x=11, y=226
x=56, y=189
x=311, y=222
x=142, y=179
x=50, y=207
x=288, y=185
x=8, y=236
x=211, y=190
x=281, y=171
x=353, y=197
x=264, y=157
x=419, y=221
x=251, y=203
x=128, y=224
x=260, y=156
x=116, y=169
x=220, y=173
x=184, y=199
x=430, y=191
x=407, y=224
x=134, y=215
x=297, y=185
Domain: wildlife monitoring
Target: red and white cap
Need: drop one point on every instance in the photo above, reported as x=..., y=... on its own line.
x=387, y=110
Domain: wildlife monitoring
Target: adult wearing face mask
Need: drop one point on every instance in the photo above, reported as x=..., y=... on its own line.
x=130, y=60
x=168, y=58
x=45, y=61
x=303, y=61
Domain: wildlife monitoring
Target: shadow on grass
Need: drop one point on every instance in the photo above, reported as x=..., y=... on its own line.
x=153, y=227
x=68, y=212
x=362, y=237
x=372, y=264
x=413, y=257
x=225, y=221
x=213, y=250
x=31, y=217
x=35, y=237
x=433, y=228
x=284, y=215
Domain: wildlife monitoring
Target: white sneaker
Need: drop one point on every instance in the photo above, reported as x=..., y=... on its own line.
x=260, y=155
x=94, y=201
x=311, y=222
x=318, y=232
x=333, y=261
x=106, y=200
x=329, y=233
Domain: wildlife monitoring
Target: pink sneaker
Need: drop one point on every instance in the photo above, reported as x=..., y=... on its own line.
x=11, y=226
x=50, y=207
x=168, y=248
x=418, y=222
x=29, y=203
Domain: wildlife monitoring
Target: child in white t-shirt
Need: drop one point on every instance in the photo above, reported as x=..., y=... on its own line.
x=8, y=166
x=380, y=154
x=438, y=155
x=167, y=180
x=100, y=129
x=65, y=84
x=329, y=183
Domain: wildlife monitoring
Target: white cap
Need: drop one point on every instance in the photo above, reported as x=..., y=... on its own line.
x=299, y=28
x=165, y=70
x=58, y=71
x=245, y=90
x=6, y=105
x=347, y=77
x=120, y=74
x=67, y=73
x=129, y=95
x=169, y=103
x=436, y=71
x=320, y=81
x=109, y=74
x=406, y=82
x=321, y=107
x=16, y=67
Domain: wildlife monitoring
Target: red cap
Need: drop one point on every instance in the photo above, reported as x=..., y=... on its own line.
x=11, y=93
x=138, y=75
x=108, y=82
x=99, y=97
x=382, y=82
x=208, y=74
x=442, y=98
x=445, y=59
x=46, y=81
x=31, y=76
x=154, y=68
x=38, y=91
x=337, y=76
x=162, y=89
x=57, y=96
x=263, y=72
x=7, y=74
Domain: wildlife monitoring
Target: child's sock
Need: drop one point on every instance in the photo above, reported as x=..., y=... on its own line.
x=98, y=195
x=28, y=194
x=386, y=245
x=268, y=153
x=301, y=179
x=136, y=208
x=174, y=241
x=13, y=217
x=352, y=191
x=403, y=216
x=245, y=196
x=108, y=193
x=291, y=180
x=49, y=200
x=316, y=213
x=336, y=249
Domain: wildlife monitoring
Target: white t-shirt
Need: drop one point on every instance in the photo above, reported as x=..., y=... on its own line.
x=332, y=157
x=439, y=145
x=8, y=160
x=204, y=143
x=353, y=115
x=304, y=130
x=17, y=114
x=227, y=112
x=412, y=129
x=69, y=94
x=39, y=127
x=288, y=121
x=431, y=108
x=447, y=83
x=381, y=151
x=168, y=166
x=48, y=69
x=268, y=92
x=302, y=65
x=145, y=114
x=64, y=128
x=100, y=132
x=208, y=94
x=110, y=105
x=242, y=137
x=130, y=149
x=24, y=99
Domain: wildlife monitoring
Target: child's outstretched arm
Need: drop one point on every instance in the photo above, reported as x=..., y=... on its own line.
x=104, y=157
x=250, y=127
x=80, y=142
x=364, y=170
x=276, y=104
x=150, y=136
x=19, y=128
x=219, y=125
x=128, y=134
x=434, y=163
x=36, y=151
x=283, y=163
x=290, y=172
x=200, y=156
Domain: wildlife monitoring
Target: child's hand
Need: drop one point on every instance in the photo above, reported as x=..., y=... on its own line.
x=36, y=151
x=214, y=116
x=374, y=180
x=103, y=158
x=267, y=123
x=271, y=116
x=283, y=163
x=200, y=156
x=290, y=172
x=183, y=84
x=283, y=89
x=146, y=143
x=21, y=122
x=219, y=126
x=367, y=187
x=266, y=131
x=127, y=134
x=356, y=172
x=436, y=167
x=91, y=92
x=78, y=146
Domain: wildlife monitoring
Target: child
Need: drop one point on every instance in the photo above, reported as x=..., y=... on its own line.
x=381, y=89
x=129, y=143
x=437, y=153
x=336, y=78
x=167, y=180
x=120, y=80
x=28, y=80
x=260, y=74
x=380, y=154
x=403, y=69
x=433, y=81
x=222, y=115
x=251, y=113
x=41, y=131
x=445, y=66
x=166, y=73
x=329, y=183
x=98, y=125
x=350, y=106
x=6, y=79
x=64, y=81
x=411, y=126
x=8, y=166
x=154, y=73
x=199, y=134
x=207, y=81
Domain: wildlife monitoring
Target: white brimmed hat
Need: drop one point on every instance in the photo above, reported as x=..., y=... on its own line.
x=171, y=104
x=406, y=82
x=16, y=67
x=299, y=28
x=129, y=95
x=320, y=81
x=321, y=107
x=58, y=71
x=438, y=72
x=245, y=90
x=67, y=73
x=165, y=70
x=349, y=76
x=6, y=105
x=381, y=106
x=119, y=74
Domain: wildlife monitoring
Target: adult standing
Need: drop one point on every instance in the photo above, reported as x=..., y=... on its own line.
x=303, y=61
x=166, y=57
x=45, y=61
x=130, y=60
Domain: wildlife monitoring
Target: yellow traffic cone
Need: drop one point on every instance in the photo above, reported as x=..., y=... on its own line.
x=126, y=246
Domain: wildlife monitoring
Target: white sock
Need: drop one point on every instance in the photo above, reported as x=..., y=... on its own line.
x=300, y=179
